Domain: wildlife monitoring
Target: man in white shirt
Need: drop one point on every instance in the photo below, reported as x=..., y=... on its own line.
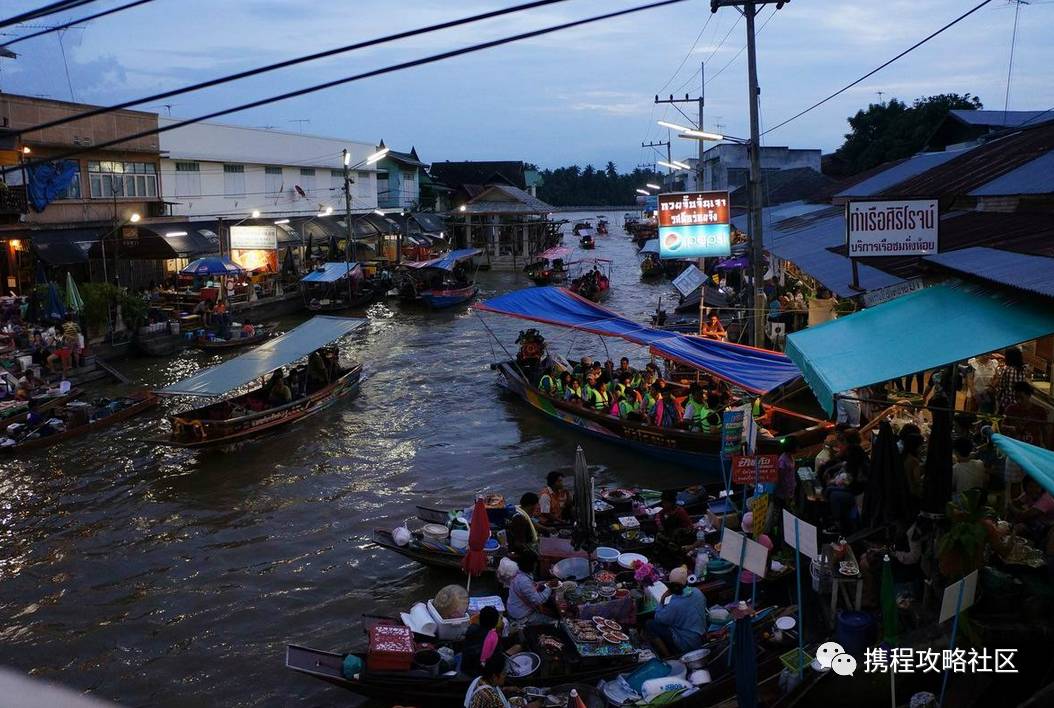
x=967, y=473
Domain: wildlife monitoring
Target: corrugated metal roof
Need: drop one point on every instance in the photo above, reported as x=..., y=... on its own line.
x=516, y=201
x=980, y=165
x=805, y=234
x=1018, y=270
x=899, y=172
x=1035, y=177
x=996, y=119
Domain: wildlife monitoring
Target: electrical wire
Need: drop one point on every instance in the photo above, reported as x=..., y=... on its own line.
x=288, y=63
x=711, y=55
x=441, y=56
x=689, y=54
x=44, y=11
x=1010, y=67
x=67, y=25
x=741, y=49
x=874, y=71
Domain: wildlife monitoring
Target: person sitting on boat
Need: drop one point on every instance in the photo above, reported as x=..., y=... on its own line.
x=550, y=382
x=680, y=618
x=572, y=388
x=278, y=392
x=527, y=599
x=317, y=371
x=554, y=501
x=30, y=380
x=697, y=412
x=481, y=642
x=520, y=531
x=486, y=691
x=583, y=367
x=597, y=396
x=248, y=330
x=608, y=372
x=713, y=329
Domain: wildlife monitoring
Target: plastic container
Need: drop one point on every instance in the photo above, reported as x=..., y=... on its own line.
x=428, y=661
x=605, y=554
x=571, y=568
x=651, y=669
x=452, y=629
x=459, y=539
x=855, y=631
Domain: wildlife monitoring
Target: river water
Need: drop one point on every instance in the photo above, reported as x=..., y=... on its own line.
x=152, y=576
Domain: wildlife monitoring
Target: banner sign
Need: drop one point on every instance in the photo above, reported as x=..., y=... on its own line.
x=694, y=225
x=877, y=297
x=892, y=227
x=252, y=238
x=743, y=469
x=651, y=203
x=689, y=280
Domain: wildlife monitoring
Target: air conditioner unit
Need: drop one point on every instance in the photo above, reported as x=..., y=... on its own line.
x=82, y=141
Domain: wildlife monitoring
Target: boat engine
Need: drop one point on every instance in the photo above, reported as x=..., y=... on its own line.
x=532, y=348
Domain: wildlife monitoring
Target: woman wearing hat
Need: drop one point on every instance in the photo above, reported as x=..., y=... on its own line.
x=680, y=619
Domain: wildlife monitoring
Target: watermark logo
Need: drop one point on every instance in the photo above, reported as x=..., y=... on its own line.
x=826, y=653
x=905, y=660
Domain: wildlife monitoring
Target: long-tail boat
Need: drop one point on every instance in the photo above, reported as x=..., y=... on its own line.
x=339, y=286
x=440, y=282
x=591, y=278
x=261, y=333
x=549, y=267
x=225, y=421
x=749, y=371
x=81, y=420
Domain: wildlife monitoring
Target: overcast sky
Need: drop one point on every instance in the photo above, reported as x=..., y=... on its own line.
x=578, y=96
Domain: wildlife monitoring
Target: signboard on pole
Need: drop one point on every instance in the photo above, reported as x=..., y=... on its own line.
x=694, y=225
x=806, y=535
x=892, y=227
x=745, y=468
x=754, y=557
x=690, y=279
x=651, y=202
x=958, y=596
x=254, y=238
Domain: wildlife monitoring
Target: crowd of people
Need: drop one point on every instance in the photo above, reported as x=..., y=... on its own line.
x=641, y=396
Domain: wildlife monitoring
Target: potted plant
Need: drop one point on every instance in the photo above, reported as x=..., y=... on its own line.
x=960, y=550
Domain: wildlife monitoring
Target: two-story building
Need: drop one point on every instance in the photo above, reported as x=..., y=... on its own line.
x=399, y=179
x=727, y=165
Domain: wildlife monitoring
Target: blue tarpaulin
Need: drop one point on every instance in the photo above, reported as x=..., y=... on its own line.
x=1037, y=462
x=755, y=370
x=330, y=273
x=50, y=179
x=920, y=331
x=447, y=261
x=273, y=354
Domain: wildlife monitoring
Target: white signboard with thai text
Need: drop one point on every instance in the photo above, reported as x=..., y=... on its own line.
x=689, y=280
x=249, y=238
x=892, y=227
x=891, y=292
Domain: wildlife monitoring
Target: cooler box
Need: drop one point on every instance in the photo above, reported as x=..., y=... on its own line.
x=453, y=629
x=391, y=648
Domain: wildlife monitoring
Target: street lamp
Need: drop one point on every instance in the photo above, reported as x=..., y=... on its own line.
x=649, y=185
x=673, y=126
x=134, y=218
x=279, y=222
x=674, y=165
x=644, y=192
x=690, y=134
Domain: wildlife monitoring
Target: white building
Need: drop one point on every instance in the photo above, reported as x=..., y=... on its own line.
x=727, y=165
x=211, y=170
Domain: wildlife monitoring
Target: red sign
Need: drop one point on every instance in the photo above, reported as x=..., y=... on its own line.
x=743, y=469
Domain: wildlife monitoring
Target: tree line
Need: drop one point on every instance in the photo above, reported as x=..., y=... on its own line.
x=574, y=185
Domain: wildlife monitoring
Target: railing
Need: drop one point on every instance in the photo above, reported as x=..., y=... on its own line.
x=13, y=199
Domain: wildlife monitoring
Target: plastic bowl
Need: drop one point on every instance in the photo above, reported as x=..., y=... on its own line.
x=606, y=554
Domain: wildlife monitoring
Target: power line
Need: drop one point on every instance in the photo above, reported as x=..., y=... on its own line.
x=289, y=62
x=711, y=55
x=72, y=23
x=357, y=77
x=871, y=73
x=686, y=56
x=44, y=11
x=1010, y=67
x=741, y=50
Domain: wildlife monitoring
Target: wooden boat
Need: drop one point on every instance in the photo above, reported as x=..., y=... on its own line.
x=587, y=242
x=602, y=227
x=440, y=283
x=549, y=266
x=583, y=228
x=249, y=415
x=263, y=333
x=651, y=267
x=756, y=373
x=337, y=287
x=161, y=344
x=591, y=278
x=41, y=404
x=136, y=404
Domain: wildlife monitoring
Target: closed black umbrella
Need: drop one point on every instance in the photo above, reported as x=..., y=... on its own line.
x=584, y=536
x=333, y=248
x=887, y=494
x=937, y=485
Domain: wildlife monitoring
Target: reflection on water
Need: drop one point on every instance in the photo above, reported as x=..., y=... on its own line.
x=161, y=576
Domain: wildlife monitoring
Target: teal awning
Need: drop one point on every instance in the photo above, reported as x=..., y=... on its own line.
x=272, y=354
x=1036, y=461
x=923, y=330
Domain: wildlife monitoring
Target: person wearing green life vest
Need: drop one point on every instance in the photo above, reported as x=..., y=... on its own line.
x=573, y=388
x=597, y=396
x=550, y=383
x=697, y=413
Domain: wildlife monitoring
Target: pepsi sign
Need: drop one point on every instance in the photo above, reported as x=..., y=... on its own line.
x=694, y=225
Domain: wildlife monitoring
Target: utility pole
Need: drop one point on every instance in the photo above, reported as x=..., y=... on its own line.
x=660, y=143
x=347, y=216
x=749, y=10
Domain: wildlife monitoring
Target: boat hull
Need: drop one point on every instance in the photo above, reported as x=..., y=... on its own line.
x=146, y=402
x=217, y=433
x=442, y=299
x=224, y=345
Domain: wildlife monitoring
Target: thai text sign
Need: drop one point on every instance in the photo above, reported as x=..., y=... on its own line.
x=745, y=467
x=250, y=238
x=892, y=227
x=651, y=203
x=694, y=225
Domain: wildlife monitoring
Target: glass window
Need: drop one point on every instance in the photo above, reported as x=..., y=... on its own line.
x=72, y=190
x=108, y=179
x=307, y=179
x=188, y=179
x=234, y=180
x=273, y=182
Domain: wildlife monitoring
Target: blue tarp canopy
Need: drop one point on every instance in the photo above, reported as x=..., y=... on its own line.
x=650, y=246
x=448, y=260
x=329, y=273
x=272, y=354
x=923, y=330
x=755, y=370
x=1036, y=461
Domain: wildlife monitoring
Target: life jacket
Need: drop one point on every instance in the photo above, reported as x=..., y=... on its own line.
x=598, y=400
x=625, y=408
x=551, y=385
x=700, y=417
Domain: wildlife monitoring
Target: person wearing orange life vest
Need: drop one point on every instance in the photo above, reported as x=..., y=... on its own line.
x=554, y=501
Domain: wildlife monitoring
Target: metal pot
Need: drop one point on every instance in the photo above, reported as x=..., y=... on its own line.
x=696, y=659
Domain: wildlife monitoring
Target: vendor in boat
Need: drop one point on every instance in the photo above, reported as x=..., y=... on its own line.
x=713, y=329
x=487, y=692
x=30, y=381
x=482, y=641
x=278, y=390
x=680, y=620
x=520, y=531
x=317, y=371
x=527, y=598
x=554, y=501
x=676, y=531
